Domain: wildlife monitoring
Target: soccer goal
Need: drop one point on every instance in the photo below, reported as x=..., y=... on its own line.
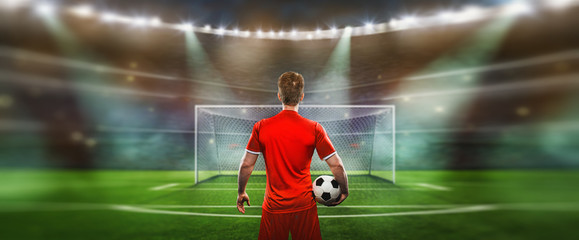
x=363, y=135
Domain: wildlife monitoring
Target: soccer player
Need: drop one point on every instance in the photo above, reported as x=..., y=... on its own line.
x=287, y=142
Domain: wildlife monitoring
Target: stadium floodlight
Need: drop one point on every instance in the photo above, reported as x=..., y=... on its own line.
x=45, y=8
x=365, y=135
x=139, y=21
x=409, y=20
x=83, y=10
x=111, y=17
x=130, y=20
x=559, y=4
x=447, y=16
x=185, y=27
x=468, y=14
x=13, y=4
x=220, y=31
x=394, y=23
x=108, y=17
x=155, y=22
x=236, y=31
x=518, y=8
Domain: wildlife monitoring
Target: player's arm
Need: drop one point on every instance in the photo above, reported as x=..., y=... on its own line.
x=245, y=169
x=339, y=172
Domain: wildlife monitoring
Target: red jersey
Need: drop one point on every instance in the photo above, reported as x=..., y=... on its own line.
x=287, y=142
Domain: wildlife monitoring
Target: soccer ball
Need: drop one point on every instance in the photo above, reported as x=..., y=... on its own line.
x=326, y=189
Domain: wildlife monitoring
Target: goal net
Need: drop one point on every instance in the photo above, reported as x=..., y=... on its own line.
x=363, y=136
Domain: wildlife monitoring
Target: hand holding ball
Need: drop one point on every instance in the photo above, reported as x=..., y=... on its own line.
x=326, y=190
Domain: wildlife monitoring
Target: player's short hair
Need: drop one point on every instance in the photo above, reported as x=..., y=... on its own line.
x=290, y=88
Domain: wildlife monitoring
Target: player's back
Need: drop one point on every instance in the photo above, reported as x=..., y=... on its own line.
x=287, y=142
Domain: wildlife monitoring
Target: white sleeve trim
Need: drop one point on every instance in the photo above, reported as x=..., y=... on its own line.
x=256, y=153
x=329, y=156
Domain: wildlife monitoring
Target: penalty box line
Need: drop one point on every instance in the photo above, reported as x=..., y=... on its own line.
x=435, y=187
x=166, y=186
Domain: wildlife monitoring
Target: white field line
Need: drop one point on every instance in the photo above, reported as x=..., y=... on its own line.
x=452, y=210
x=47, y=207
x=53, y=206
x=346, y=206
x=434, y=209
x=127, y=208
x=157, y=188
x=435, y=187
x=361, y=184
x=235, y=184
x=263, y=189
x=475, y=208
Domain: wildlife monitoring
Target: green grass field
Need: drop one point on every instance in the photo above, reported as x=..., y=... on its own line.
x=506, y=204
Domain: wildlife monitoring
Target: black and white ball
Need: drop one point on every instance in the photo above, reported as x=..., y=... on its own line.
x=326, y=189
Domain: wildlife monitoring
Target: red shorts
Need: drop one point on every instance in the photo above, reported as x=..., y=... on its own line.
x=302, y=225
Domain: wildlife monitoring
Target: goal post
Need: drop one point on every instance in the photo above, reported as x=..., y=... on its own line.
x=363, y=135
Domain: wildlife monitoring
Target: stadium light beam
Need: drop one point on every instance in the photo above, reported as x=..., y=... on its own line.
x=336, y=72
x=45, y=9
x=477, y=50
x=199, y=66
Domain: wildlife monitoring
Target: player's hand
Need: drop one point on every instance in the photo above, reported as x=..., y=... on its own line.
x=242, y=197
x=343, y=197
